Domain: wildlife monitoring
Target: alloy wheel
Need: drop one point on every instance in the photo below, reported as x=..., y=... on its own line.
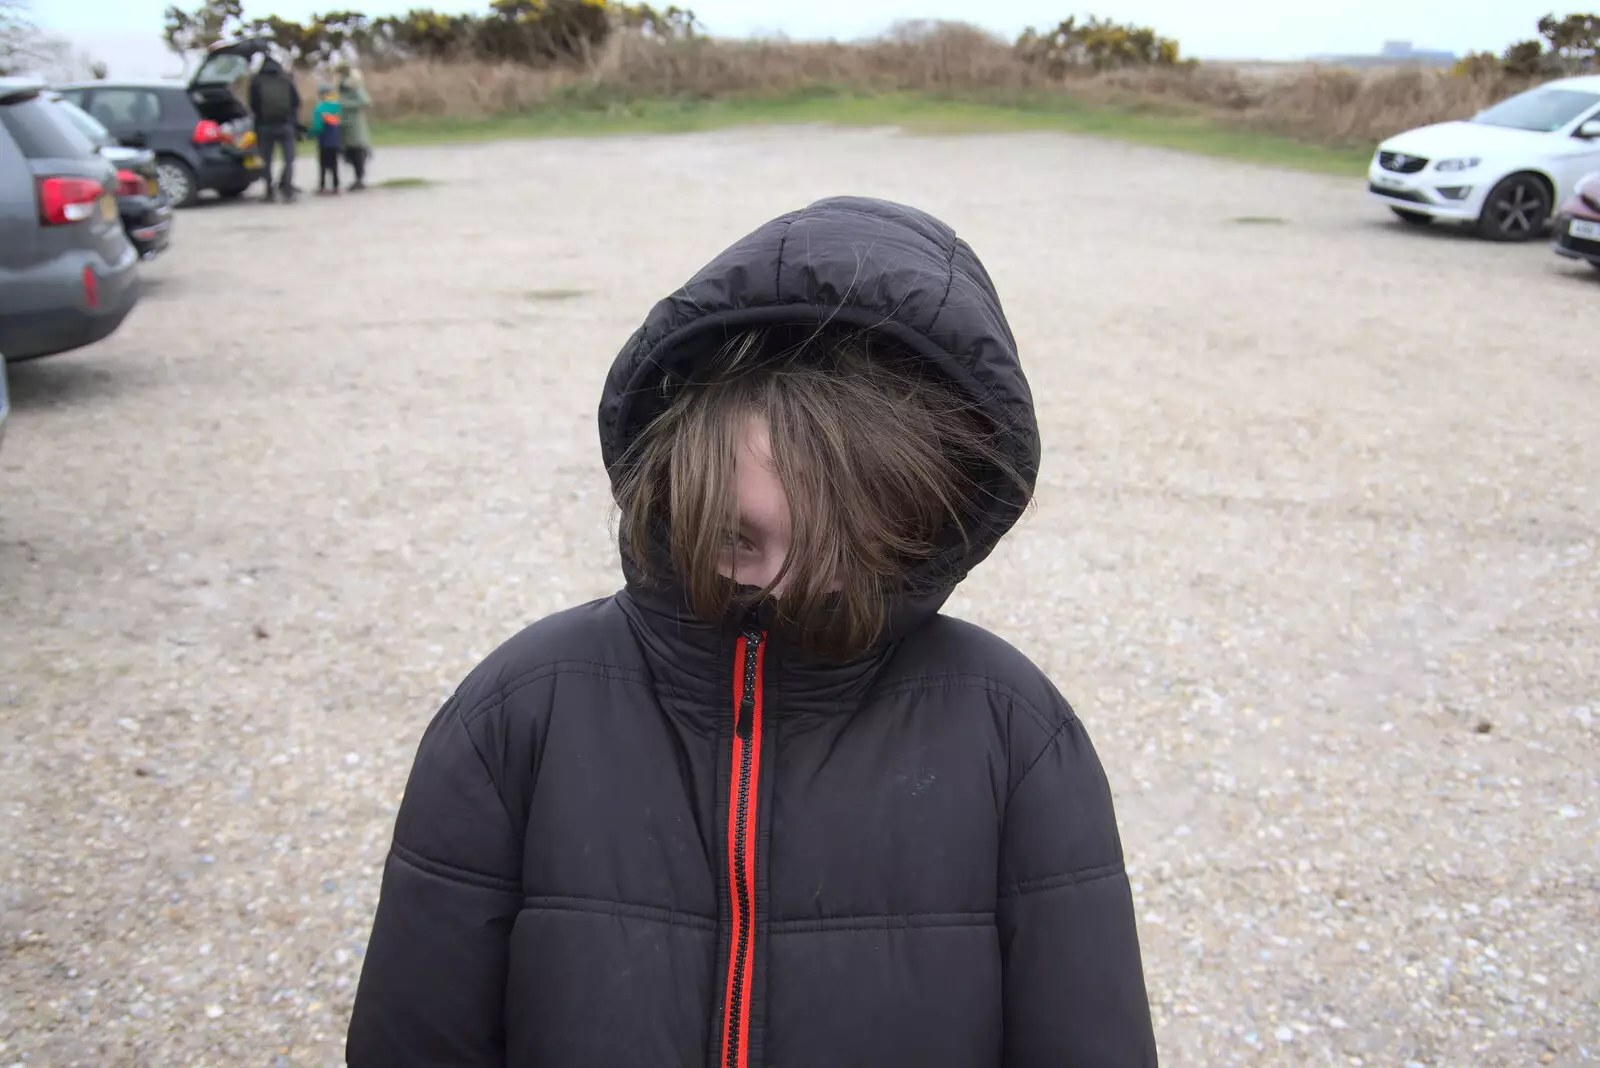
x=175, y=182
x=1519, y=208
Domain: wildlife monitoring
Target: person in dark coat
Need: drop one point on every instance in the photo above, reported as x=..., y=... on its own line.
x=767, y=805
x=275, y=109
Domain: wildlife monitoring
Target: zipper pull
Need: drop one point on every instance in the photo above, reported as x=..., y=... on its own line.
x=744, y=723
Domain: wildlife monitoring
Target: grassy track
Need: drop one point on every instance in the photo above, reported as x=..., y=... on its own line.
x=915, y=113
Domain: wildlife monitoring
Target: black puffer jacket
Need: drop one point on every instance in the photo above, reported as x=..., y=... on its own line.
x=632, y=838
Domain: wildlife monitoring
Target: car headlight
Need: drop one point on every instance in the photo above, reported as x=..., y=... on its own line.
x=1458, y=164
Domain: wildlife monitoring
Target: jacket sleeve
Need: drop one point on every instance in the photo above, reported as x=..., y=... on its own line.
x=1073, y=983
x=294, y=98
x=255, y=97
x=432, y=989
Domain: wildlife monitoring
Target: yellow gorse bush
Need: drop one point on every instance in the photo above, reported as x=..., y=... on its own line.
x=1096, y=45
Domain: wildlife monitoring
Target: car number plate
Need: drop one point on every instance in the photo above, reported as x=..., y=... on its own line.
x=108, y=208
x=1584, y=230
x=252, y=163
x=1390, y=183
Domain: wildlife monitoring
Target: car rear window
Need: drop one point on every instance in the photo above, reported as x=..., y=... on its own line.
x=43, y=131
x=86, y=123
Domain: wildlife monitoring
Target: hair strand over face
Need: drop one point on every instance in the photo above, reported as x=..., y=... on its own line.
x=884, y=464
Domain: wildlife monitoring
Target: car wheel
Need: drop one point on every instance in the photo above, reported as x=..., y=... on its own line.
x=1516, y=210
x=1413, y=218
x=177, y=181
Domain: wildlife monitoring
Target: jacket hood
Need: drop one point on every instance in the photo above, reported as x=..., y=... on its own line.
x=862, y=264
x=271, y=66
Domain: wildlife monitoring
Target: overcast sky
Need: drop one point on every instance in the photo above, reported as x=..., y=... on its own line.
x=126, y=32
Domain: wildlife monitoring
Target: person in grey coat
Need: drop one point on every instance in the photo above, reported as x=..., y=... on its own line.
x=354, y=132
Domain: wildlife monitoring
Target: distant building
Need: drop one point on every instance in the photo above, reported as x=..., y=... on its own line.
x=1393, y=54
x=1403, y=52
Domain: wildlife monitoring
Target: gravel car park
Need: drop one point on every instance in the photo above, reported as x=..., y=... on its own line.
x=1315, y=559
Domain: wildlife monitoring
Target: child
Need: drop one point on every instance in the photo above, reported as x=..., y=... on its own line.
x=325, y=119
x=766, y=805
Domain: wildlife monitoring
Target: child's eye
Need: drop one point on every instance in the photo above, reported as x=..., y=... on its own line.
x=739, y=542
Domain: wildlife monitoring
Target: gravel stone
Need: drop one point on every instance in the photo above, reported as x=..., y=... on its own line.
x=1314, y=557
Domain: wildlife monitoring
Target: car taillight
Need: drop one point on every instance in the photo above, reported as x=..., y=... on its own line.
x=130, y=184
x=207, y=132
x=63, y=201
x=91, y=288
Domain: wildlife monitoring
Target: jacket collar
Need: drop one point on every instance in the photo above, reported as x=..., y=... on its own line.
x=692, y=660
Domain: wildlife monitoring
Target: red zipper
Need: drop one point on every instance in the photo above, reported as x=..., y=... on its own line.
x=744, y=790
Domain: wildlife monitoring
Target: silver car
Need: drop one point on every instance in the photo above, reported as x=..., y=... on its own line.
x=67, y=270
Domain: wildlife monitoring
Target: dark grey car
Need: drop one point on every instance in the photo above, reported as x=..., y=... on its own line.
x=201, y=133
x=67, y=270
x=5, y=398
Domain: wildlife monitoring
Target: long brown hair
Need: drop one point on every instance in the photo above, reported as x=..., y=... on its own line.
x=883, y=463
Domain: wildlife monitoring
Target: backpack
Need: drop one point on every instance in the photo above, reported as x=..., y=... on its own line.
x=276, y=100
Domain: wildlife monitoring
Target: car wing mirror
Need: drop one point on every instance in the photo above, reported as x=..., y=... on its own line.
x=1590, y=130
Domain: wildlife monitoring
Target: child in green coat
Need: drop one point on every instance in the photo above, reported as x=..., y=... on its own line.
x=325, y=120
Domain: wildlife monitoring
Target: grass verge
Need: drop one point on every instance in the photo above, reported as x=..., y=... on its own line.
x=916, y=113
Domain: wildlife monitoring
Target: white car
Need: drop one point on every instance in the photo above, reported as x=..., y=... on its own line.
x=1503, y=170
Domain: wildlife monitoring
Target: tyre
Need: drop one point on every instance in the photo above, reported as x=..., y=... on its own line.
x=177, y=181
x=1516, y=209
x=1412, y=218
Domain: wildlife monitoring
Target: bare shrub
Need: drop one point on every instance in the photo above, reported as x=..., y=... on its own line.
x=1311, y=103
